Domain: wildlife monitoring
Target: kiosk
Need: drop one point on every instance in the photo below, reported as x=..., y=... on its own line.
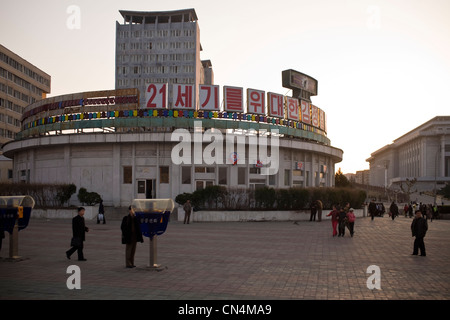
x=15, y=213
x=154, y=215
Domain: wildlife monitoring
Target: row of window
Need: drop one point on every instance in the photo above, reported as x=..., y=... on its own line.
x=9, y=120
x=155, y=33
x=186, y=176
x=155, y=69
x=20, y=67
x=10, y=105
x=156, y=45
x=123, y=83
x=20, y=82
x=16, y=94
x=155, y=58
x=4, y=133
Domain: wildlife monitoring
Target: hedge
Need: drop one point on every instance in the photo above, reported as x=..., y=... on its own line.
x=44, y=195
x=266, y=198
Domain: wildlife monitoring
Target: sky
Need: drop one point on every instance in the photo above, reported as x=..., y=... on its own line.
x=383, y=66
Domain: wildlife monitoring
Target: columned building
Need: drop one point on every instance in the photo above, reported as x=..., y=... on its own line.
x=422, y=154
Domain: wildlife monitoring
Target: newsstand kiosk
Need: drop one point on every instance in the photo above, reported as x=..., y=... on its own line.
x=154, y=215
x=15, y=213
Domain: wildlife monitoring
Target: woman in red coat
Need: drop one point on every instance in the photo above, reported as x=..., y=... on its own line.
x=334, y=218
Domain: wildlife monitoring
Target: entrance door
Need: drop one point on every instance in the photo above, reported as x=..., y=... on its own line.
x=150, y=189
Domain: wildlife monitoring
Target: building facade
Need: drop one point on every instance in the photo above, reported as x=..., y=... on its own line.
x=21, y=84
x=167, y=129
x=422, y=154
x=160, y=47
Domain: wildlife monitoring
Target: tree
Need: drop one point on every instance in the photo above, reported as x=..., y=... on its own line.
x=445, y=191
x=340, y=180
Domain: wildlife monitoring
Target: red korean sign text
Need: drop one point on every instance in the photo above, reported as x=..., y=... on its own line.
x=209, y=97
x=256, y=102
x=306, y=114
x=275, y=105
x=233, y=99
x=292, y=109
x=183, y=96
x=156, y=95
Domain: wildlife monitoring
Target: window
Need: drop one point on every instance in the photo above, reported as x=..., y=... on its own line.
x=272, y=180
x=186, y=175
x=223, y=173
x=242, y=176
x=127, y=175
x=163, y=174
x=287, y=177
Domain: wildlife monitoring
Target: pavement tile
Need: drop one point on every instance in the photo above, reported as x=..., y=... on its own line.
x=233, y=260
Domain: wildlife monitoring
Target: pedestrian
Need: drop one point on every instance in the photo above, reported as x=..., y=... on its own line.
x=393, y=210
x=342, y=216
x=419, y=227
x=131, y=234
x=101, y=213
x=187, y=211
x=319, y=210
x=334, y=218
x=410, y=210
x=351, y=221
x=372, y=209
x=313, y=211
x=405, y=209
x=79, y=230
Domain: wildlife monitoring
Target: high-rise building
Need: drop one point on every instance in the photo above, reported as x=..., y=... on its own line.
x=21, y=84
x=160, y=47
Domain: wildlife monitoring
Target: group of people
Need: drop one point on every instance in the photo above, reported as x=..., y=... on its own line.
x=342, y=217
x=428, y=211
x=131, y=235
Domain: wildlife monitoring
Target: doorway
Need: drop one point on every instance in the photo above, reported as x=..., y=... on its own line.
x=150, y=189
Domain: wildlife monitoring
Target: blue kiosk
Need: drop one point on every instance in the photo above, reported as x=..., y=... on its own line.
x=154, y=215
x=15, y=213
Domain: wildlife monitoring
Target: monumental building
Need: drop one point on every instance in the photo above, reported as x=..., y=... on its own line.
x=422, y=154
x=167, y=128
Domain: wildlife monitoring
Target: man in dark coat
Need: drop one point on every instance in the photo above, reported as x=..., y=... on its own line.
x=131, y=234
x=419, y=228
x=79, y=230
x=372, y=209
x=393, y=210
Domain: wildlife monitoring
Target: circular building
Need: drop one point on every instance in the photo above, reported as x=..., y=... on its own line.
x=106, y=142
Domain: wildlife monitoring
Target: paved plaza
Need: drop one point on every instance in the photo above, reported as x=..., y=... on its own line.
x=235, y=260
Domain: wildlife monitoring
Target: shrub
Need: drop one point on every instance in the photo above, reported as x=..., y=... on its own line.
x=88, y=198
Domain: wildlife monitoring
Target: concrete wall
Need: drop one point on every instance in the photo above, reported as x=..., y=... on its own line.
x=228, y=216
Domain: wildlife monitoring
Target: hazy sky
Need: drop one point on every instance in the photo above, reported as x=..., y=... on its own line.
x=383, y=66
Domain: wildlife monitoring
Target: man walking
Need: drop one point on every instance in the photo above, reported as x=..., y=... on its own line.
x=419, y=228
x=79, y=230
